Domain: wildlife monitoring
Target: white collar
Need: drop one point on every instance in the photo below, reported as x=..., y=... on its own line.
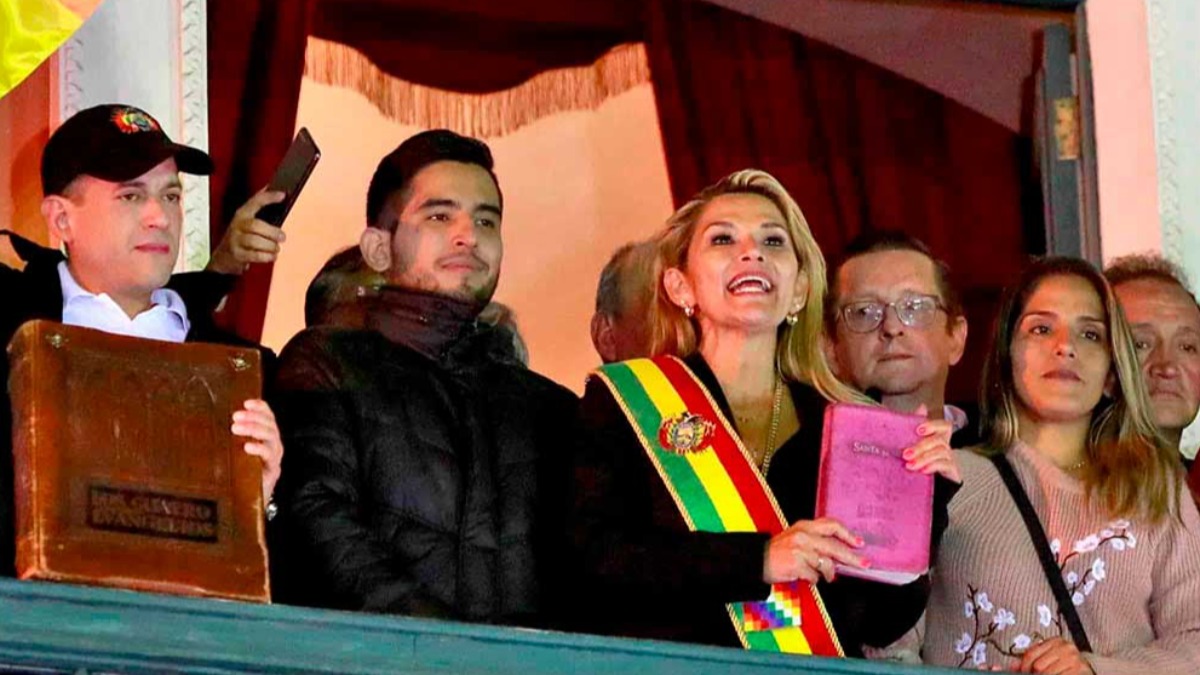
x=166, y=319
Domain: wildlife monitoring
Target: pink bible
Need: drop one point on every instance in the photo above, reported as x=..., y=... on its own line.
x=863, y=484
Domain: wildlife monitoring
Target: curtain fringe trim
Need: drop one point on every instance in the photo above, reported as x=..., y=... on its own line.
x=482, y=115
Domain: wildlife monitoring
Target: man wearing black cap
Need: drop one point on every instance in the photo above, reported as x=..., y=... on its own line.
x=112, y=196
x=422, y=473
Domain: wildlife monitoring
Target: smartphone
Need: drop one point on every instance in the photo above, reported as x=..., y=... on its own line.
x=290, y=177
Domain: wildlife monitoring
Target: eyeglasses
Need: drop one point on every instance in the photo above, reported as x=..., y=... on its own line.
x=914, y=311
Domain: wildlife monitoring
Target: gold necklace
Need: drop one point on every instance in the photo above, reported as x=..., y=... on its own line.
x=773, y=429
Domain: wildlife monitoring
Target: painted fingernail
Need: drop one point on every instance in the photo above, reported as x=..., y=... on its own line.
x=907, y=454
x=921, y=429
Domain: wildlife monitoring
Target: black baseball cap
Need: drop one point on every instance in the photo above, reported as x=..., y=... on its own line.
x=114, y=143
x=437, y=145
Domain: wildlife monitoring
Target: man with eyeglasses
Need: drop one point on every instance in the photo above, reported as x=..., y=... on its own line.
x=895, y=324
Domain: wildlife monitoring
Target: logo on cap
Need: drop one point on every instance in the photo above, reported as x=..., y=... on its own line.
x=132, y=121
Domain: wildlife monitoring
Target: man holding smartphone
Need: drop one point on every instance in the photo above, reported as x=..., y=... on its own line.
x=110, y=177
x=422, y=472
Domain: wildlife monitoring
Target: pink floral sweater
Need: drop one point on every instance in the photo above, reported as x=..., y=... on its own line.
x=1135, y=585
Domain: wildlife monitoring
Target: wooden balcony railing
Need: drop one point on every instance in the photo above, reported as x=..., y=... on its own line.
x=59, y=628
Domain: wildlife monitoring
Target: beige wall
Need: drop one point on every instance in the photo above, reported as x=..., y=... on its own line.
x=576, y=186
x=1128, y=175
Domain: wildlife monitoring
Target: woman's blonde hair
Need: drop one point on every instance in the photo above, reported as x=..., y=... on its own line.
x=1131, y=467
x=798, y=356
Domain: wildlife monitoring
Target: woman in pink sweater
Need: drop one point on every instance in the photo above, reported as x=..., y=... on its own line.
x=1063, y=402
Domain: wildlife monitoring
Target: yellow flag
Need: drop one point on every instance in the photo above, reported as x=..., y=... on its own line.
x=30, y=31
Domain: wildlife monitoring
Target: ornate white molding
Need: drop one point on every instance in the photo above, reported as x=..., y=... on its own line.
x=70, y=78
x=1162, y=56
x=1174, y=61
x=193, y=49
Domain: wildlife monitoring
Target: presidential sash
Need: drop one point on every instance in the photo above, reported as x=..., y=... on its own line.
x=710, y=476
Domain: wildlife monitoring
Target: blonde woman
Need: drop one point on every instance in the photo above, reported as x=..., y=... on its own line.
x=740, y=283
x=1063, y=403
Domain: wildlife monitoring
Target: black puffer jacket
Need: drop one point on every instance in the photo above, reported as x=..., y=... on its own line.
x=423, y=473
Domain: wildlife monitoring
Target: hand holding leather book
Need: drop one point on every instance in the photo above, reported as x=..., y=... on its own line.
x=126, y=471
x=864, y=484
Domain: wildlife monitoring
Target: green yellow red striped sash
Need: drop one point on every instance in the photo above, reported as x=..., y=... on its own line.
x=709, y=474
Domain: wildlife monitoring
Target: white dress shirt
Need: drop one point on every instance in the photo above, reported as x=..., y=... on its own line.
x=165, y=320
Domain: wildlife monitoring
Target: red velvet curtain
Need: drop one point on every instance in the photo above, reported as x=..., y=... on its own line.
x=478, y=46
x=858, y=146
x=255, y=65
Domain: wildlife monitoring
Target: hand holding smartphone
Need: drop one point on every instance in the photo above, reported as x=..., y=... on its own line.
x=290, y=177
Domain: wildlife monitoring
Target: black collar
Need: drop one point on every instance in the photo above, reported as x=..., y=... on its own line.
x=428, y=323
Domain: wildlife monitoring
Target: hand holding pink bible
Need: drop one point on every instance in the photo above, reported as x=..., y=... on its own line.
x=864, y=485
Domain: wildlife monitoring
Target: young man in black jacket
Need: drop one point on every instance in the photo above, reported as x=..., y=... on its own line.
x=423, y=470
x=110, y=177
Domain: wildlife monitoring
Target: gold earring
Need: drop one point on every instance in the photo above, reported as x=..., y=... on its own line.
x=794, y=315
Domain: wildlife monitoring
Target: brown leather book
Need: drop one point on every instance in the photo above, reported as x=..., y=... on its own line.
x=126, y=471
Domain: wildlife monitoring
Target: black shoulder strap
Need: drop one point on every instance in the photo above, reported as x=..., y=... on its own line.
x=1049, y=564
